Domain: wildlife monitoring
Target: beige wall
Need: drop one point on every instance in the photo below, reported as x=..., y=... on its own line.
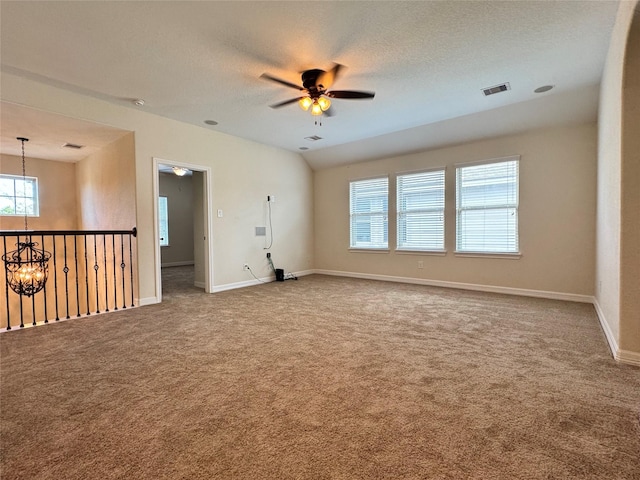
x=630, y=195
x=198, y=183
x=106, y=187
x=243, y=172
x=613, y=263
x=56, y=192
x=557, y=215
x=179, y=193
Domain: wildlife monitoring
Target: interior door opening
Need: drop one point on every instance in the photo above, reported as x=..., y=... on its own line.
x=181, y=211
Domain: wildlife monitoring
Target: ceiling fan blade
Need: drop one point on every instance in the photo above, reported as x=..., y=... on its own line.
x=266, y=76
x=286, y=102
x=350, y=94
x=326, y=79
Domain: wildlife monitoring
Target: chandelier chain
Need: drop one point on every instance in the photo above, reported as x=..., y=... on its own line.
x=24, y=183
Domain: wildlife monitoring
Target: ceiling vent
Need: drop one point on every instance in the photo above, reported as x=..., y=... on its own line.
x=73, y=145
x=313, y=138
x=496, y=89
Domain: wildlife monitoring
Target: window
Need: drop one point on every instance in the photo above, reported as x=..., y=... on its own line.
x=421, y=211
x=19, y=195
x=163, y=221
x=369, y=213
x=487, y=207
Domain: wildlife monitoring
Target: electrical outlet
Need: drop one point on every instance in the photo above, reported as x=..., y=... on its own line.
x=420, y=264
x=245, y=266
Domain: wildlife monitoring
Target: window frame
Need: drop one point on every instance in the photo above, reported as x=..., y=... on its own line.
x=515, y=206
x=441, y=249
x=35, y=198
x=354, y=244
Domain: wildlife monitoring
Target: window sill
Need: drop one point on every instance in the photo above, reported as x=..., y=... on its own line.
x=407, y=251
x=368, y=250
x=19, y=215
x=508, y=256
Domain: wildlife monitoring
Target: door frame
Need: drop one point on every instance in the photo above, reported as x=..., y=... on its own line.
x=208, y=221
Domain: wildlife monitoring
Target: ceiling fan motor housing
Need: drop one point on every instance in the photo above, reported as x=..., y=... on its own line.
x=309, y=79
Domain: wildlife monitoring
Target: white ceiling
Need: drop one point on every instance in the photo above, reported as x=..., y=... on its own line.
x=427, y=61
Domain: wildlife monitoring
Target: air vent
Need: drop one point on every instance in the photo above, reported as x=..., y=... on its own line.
x=313, y=138
x=73, y=145
x=496, y=89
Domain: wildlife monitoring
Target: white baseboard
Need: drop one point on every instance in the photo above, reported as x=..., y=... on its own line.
x=572, y=297
x=53, y=321
x=253, y=282
x=245, y=283
x=622, y=356
x=177, y=264
x=303, y=273
x=147, y=301
x=627, y=357
x=611, y=339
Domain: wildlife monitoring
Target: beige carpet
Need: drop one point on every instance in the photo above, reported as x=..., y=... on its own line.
x=320, y=378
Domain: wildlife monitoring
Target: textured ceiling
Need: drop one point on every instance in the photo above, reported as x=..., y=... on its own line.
x=426, y=61
x=48, y=132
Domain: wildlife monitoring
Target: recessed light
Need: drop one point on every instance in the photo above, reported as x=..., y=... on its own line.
x=138, y=102
x=211, y=122
x=304, y=148
x=543, y=89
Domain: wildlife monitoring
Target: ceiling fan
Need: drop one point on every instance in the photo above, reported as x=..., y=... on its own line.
x=315, y=85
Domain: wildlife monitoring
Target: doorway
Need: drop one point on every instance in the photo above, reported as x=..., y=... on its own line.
x=182, y=224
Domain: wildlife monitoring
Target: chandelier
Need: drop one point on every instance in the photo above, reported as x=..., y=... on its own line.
x=27, y=268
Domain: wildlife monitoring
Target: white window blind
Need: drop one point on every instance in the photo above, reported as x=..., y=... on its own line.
x=19, y=195
x=369, y=201
x=487, y=207
x=163, y=221
x=421, y=211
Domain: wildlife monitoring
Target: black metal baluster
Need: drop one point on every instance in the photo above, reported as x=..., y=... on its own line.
x=131, y=263
x=6, y=284
x=122, y=267
x=75, y=255
x=106, y=281
x=33, y=297
x=21, y=312
x=55, y=276
x=86, y=272
x=68, y=263
x=44, y=289
x=95, y=268
x=115, y=279
x=66, y=274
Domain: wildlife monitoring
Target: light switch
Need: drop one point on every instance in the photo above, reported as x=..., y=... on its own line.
x=219, y=213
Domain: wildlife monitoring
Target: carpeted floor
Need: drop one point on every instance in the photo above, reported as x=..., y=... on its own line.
x=320, y=378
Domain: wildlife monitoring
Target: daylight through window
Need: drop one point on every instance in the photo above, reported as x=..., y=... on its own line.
x=369, y=213
x=163, y=221
x=421, y=211
x=487, y=207
x=18, y=195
